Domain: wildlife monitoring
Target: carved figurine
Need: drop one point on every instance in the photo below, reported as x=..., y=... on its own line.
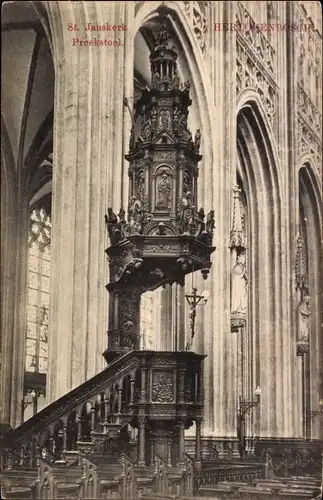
x=164, y=118
x=122, y=224
x=175, y=81
x=210, y=223
x=164, y=191
x=112, y=226
x=239, y=281
x=155, y=79
x=200, y=221
x=132, y=140
x=161, y=230
x=197, y=140
x=154, y=118
x=186, y=212
x=146, y=134
x=187, y=86
x=304, y=318
x=141, y=185
x=135, y=215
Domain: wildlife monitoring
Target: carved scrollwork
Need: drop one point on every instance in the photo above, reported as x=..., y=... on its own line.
x=162, y=248
x=255, y=40
x=251, y=74
x=196, y=13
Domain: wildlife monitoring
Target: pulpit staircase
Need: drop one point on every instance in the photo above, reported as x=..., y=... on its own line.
x=80, y=446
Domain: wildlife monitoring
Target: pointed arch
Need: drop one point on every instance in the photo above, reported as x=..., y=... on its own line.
x=259, y=170
x=310, y=208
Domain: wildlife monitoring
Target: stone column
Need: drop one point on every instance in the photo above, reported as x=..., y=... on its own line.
x=198, y=456
x=220, y=390
x=166, y=327
x=142, y=431
x=181, y=457
x=88, y=168
x=14, y=261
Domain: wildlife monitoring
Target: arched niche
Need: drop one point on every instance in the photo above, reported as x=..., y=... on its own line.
x=258, y=174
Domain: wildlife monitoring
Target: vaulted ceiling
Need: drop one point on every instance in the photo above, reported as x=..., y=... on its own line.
x=27, y=88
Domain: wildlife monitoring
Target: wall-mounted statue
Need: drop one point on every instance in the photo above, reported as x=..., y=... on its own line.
x=304, y=318
x=239, y=289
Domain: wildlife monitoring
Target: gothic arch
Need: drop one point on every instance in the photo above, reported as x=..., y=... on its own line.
x=258, y=168
x=249, y=97
x=305, y=161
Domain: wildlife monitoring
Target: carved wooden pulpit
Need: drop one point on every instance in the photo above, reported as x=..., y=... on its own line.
x=163, y=237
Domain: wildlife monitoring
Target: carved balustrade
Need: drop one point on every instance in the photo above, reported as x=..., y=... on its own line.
x=92, y=413
x=245, y=473
x=291, y=457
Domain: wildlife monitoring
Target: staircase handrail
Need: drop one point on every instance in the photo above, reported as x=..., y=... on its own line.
x=161, y=459
x=67, y=402
x=126, y=461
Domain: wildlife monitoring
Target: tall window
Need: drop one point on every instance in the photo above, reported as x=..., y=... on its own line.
x=38, y=311
x=38, y=291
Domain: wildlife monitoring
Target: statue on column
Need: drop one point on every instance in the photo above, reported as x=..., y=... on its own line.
x=304, y=318
x=239, y=281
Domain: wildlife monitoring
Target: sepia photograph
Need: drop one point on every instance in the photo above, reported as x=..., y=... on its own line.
x=161, y=250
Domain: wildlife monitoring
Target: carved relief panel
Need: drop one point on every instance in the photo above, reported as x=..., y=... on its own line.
x=197, y=13
x=162, y=387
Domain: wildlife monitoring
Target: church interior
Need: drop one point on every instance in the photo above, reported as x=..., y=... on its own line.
x=161, y=251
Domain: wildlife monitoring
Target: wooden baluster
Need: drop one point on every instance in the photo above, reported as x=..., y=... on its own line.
x=169, y=454
x=142, y=439
x=106, y=411
x=143, y=392
x=52, y=445
x=9, y=461
x=92, y=419
x=132, y=391
x=22, y=456
x=119, y=401
x=198, y=444
x=181, y=458
x=79, y=427
x=64, y=438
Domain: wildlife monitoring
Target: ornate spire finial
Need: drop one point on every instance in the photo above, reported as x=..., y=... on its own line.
x=237, y=235
x=163, y=58
x=301, y=274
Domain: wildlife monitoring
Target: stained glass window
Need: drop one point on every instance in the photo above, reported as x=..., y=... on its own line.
x=38, y=291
